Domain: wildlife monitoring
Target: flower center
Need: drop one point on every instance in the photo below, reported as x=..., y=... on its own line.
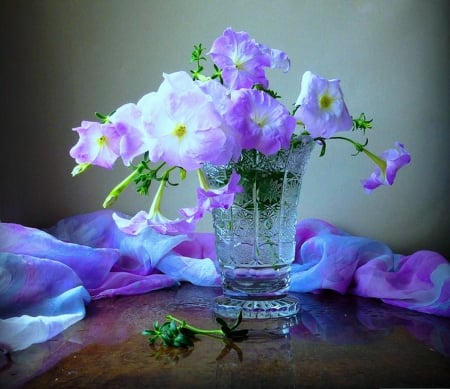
x=325, y=101
x=102, y=140
x=180, y=131
x=260, y=122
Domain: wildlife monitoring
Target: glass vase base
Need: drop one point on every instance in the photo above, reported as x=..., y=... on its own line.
x=283, y=307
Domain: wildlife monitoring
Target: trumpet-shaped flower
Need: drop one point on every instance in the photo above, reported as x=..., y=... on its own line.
x=241, y=59
x=186, y=127
x=260, y=121
x=387, y=167
x=99, y=144
x=157, y=221
x=321, y=106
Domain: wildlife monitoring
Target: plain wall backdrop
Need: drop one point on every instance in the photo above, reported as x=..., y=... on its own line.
x=63, y=60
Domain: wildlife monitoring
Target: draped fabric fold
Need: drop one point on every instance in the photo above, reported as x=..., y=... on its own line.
x=47, y=277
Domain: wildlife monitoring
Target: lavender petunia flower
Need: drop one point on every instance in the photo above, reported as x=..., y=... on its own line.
x=142, y=220
x=241, y=59
x=208, y=198
x=99, y=144
x=387, y=167
x=278, y=59
x=220, y=96
x=186, y=126
x=223, y=197
x=134, y=142
x=260, y=121
x=131, y=226
x=321, y=106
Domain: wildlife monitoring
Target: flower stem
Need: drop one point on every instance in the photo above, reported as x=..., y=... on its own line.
x=156, y=203
x=197, y=330
x=202, y=180
x=361, y=149
x=155, y=207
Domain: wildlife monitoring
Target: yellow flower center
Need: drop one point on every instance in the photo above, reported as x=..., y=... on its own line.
x=102, y=140
x=325, y=101
x=180, y=131
x=261, y=122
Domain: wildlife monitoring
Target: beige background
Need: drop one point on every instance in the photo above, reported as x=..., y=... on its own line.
x=62, y=60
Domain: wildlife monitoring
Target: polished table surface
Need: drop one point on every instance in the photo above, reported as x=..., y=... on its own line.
x=335, y=341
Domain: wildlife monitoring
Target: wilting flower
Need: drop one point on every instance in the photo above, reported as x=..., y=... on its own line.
x=322, y=109
x=387, y=166
x=99, y=144
x=241, y=59
x=260, y=121
x=209, y=198
x=223, y=197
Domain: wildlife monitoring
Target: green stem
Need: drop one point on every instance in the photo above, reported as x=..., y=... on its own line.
x=202, y=180
x=197, y=330
x=119, y=188
x=156, y=203
x=360, y=148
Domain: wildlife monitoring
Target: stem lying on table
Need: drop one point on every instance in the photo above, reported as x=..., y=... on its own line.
x=177, y=333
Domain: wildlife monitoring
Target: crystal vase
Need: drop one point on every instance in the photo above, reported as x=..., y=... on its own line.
x=255, y=237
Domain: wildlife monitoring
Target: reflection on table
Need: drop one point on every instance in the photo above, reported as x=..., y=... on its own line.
x=335, y=341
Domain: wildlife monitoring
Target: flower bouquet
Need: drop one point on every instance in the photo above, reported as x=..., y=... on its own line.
x=248, y=151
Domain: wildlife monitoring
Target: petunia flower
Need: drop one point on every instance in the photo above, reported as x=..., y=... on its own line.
x=278, y=59
x=99, y=144
x=223, y=197
x=209, y=198
x=241, y=59
x=322, y=109
x=155, y=219
x=158, y=222
x=186, y=126
x=260, y=121
x=128, y=120
x=387, y=166
x=132, y=226
x=220, y=97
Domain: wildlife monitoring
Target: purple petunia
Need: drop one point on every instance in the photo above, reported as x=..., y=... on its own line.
x=241, y=59
x=386, y=170
x=195, y=119
x=134, y=142
x=322, y=109
x=186, y=127
x=223, y=197
x=260, y=121
x=99, y=144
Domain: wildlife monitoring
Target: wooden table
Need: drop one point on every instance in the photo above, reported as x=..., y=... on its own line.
x=335, y=341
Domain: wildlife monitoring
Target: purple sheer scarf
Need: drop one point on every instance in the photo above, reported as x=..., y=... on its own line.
x=47, y=277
